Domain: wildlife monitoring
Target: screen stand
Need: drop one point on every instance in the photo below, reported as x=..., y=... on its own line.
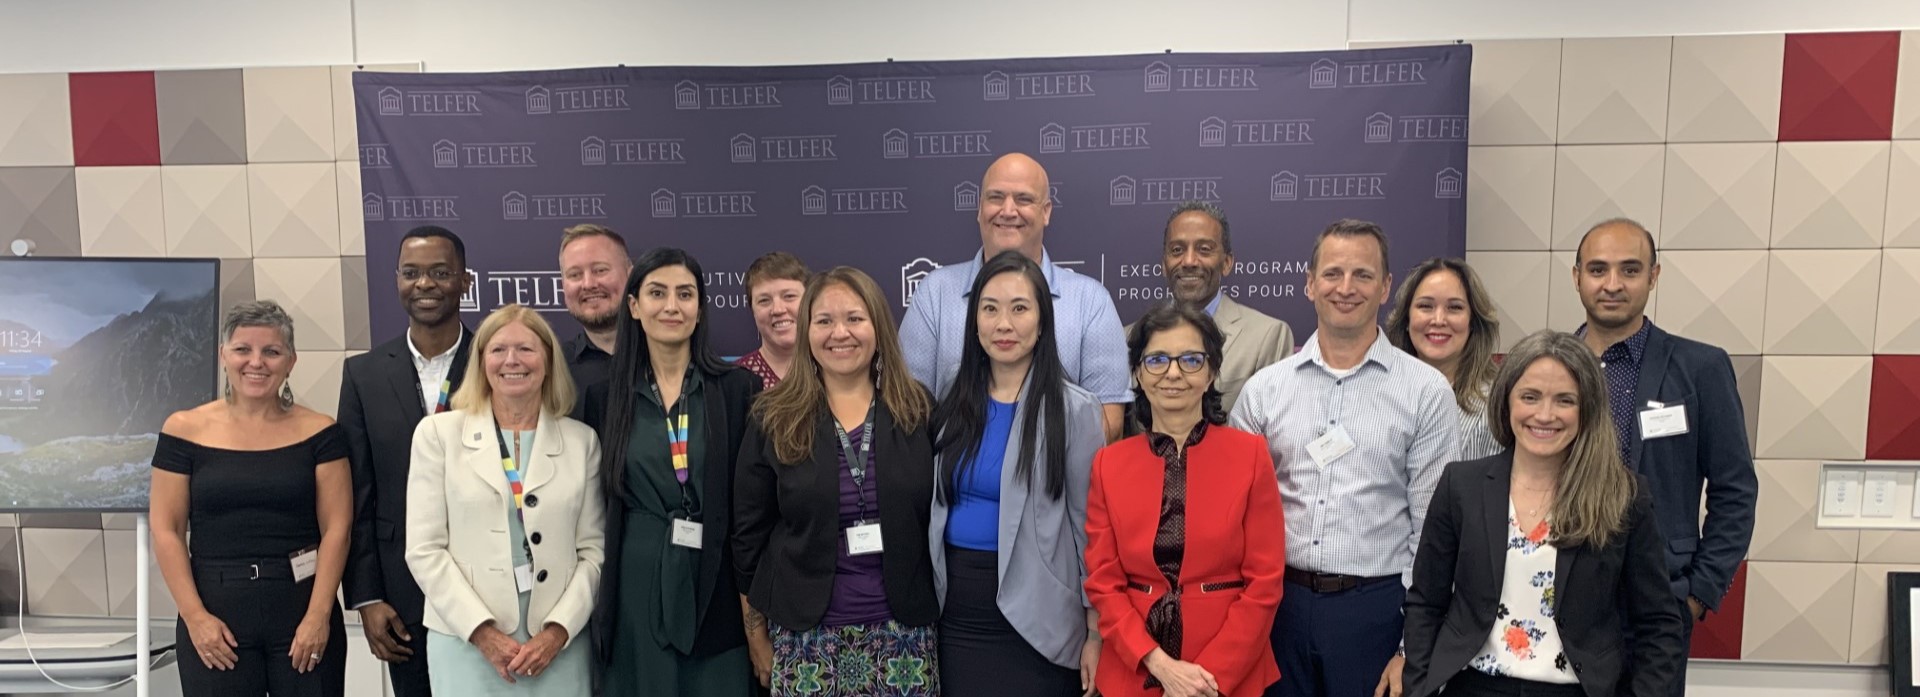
x=142, y=614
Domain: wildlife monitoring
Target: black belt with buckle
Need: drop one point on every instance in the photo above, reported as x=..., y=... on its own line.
x=1332, y=583
x=1212, y=587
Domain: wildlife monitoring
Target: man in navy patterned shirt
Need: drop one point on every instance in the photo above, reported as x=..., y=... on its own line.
x=1677, y=413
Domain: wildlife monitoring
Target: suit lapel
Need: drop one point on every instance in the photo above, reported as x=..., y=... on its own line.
x=1227, y=317
x=1494, y=508
x=538, y=470
x=481, y=437
x=1564, y=558
x=457, y=373
x=1013, y=494
x=1653, y=370
x=405, y=382
x=826, y=452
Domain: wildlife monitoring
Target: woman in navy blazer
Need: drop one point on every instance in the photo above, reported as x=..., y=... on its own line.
x=1530, y=557
x=1016, y=444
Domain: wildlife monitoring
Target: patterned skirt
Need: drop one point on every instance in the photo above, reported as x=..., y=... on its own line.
x=885, y=659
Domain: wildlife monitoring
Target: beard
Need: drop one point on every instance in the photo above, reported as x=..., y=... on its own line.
x=600, y=322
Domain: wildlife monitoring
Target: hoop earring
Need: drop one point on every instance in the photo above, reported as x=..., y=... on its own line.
x=286, y=397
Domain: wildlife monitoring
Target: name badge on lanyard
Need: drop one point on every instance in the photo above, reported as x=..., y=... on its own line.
x=686, y=529
x=522, y=574
x=863, y=537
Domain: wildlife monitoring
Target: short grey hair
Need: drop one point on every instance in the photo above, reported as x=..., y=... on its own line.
x=1208, y=209
x=259, y=313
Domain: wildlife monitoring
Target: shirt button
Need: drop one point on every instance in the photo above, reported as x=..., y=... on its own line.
x=1316, y=542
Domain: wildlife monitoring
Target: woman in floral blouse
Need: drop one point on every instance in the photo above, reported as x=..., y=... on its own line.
x=1510, y=538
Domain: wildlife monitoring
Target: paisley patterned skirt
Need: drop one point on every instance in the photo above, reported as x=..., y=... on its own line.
x=885, y=659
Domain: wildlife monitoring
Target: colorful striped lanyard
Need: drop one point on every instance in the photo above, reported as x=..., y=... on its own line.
x=513, y=474
x=446, y=391
x=677, y=436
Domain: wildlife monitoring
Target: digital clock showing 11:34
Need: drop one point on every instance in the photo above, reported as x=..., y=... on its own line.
x=20, y=339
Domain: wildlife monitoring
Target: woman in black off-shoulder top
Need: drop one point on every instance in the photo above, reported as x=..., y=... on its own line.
x=264, y=486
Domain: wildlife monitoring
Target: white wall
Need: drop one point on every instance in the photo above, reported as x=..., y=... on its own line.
x=1426, y=20
x=88, y=35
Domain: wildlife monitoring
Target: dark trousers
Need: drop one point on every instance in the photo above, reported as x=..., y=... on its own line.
x=262, y=613
x=1335, y=644
x=410, y=678
x=980, y=652
x=1473, y=683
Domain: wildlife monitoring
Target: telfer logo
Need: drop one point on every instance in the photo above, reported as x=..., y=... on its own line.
x=1127, y=191
x=911, y=274
x=688, y=94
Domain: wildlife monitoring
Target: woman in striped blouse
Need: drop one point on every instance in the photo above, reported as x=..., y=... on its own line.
x=1443, y=316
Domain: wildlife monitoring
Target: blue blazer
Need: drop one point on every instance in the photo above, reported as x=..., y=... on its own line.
x=1043, y=542
x=1701, y=557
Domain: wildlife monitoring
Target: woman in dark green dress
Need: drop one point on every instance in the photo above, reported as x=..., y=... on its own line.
x=671, y=418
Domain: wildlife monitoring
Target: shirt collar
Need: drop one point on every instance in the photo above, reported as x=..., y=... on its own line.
x=1381, y=352
x=1635, y=345
x=1162, y=443
x=581, y=345
x=979, y=259
x=1213, y=306
x=448, y=355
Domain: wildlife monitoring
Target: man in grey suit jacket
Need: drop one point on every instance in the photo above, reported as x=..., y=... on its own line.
x=1197, y=253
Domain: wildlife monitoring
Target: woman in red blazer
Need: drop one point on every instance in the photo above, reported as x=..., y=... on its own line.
x=1190, y=500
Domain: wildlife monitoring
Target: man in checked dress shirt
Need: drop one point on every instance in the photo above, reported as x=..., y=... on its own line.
x=1359, y=433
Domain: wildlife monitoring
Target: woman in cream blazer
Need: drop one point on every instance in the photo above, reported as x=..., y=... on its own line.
x=505, y=520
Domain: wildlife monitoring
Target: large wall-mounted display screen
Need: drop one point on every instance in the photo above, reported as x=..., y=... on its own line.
x=94, y=354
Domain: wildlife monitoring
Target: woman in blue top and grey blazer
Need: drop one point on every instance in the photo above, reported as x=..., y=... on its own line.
x=1008, y=525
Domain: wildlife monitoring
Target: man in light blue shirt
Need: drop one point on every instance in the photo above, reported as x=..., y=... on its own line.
x=1359, y=432
x=1014, y=210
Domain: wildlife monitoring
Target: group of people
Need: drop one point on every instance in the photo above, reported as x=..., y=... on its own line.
x=1005, y=493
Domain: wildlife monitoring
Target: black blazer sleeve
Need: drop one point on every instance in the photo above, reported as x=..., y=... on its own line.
x=755, y=510
x=1431, y=592
x=362, y=582
x=1659, y=635
x=1731, y=488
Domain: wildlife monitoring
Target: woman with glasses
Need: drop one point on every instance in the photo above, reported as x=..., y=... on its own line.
x=1016, y=446
x=1185, y=602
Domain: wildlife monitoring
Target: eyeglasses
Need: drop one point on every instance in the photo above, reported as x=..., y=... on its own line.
x=438, y=274
x=1190, y=362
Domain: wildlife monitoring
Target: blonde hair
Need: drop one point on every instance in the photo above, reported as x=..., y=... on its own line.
x=475, y=395
x=787, y=412
x=1595, y=489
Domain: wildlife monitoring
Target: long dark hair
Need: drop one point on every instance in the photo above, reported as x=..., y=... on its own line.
x=632, y=360
x=962, y=412
x=1159, y=318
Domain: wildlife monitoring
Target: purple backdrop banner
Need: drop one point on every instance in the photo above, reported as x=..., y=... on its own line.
x=878, y=165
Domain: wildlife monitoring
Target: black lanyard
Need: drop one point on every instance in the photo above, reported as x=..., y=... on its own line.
x=858, y=460
x=688, y=507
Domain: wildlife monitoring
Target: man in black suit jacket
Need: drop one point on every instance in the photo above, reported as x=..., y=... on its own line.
x=384, y=393
x=1677, y=412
